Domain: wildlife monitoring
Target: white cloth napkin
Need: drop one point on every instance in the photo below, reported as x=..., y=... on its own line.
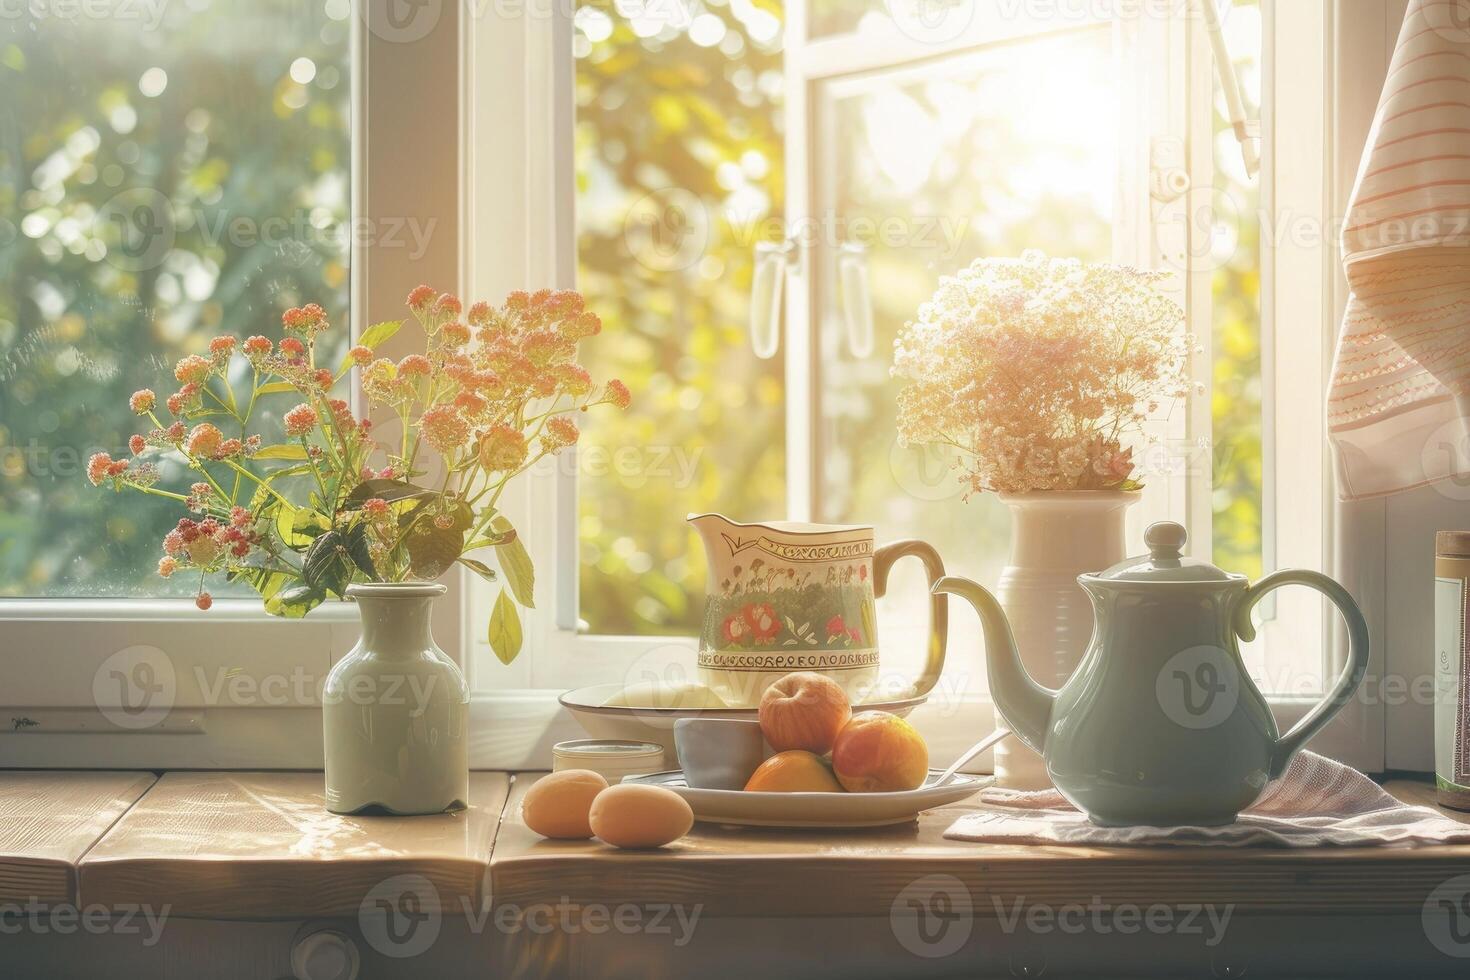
x=1317, y=802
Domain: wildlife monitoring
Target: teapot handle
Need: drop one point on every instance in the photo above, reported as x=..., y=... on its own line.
x=1347, y=682
x=883, y=559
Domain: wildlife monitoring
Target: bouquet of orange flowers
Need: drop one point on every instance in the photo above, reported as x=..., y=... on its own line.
x=1037, y=372
x=494, y=391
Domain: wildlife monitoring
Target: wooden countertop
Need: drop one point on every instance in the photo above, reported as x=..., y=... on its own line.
x=48, y=820
x=735, y=871
x=262, y=846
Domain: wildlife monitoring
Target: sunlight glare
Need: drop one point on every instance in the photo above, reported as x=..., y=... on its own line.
x=904, y=139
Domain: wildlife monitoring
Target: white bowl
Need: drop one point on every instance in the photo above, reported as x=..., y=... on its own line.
x=657, y=724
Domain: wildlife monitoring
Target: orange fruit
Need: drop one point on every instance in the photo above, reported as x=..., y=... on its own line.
x=878, y=752
x=795, y=771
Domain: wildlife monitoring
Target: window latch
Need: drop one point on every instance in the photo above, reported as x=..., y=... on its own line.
x=857, y=298
x=773, y=262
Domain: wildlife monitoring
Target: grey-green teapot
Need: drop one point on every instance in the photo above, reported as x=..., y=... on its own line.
x=1160, y=724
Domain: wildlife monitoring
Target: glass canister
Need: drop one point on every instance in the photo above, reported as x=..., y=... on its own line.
x=1451, y=669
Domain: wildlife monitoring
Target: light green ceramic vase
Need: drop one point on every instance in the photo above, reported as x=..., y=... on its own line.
x=395, y=711
x=1160, y=724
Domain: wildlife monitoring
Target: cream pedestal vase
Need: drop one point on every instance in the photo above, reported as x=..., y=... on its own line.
x=395, y=710
x=1055, y=536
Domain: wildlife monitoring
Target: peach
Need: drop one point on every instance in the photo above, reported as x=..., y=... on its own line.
x=804, y=710
x=795, y=771
x=878, y=752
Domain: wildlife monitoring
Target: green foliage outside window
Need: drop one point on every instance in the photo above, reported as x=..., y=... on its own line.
x=160, y=183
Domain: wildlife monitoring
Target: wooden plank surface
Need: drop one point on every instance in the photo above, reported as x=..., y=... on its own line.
x=48, y=820
x=734, y=871
x=262, y=845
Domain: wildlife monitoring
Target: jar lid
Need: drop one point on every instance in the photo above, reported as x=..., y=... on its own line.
x=1166, y=561
x=1452, y=544
x=606, y=750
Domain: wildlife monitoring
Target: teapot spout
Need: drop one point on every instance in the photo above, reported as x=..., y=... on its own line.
x=1025, y=704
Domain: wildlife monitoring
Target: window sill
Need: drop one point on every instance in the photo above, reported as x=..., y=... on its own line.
x=259, y=848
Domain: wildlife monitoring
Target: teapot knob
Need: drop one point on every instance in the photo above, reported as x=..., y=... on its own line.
x=1165, y=539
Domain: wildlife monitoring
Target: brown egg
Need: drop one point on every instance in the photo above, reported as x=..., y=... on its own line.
x=632, y=815
x=558, y=805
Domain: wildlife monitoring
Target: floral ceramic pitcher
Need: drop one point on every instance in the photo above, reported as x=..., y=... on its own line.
x=788, y=596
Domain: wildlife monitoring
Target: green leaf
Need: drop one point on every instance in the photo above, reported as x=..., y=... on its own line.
x=297, y=469
x=488, y=542
x=505, y=629
x=379, y=333
x=325, y=567
x=298, y=527
x=276, y=388
x=515, y=562
x=388, y=490
x=431, y=550
x=295, y=602
x=479, y=568
x=358, y=550
x=462, y=513
x=281, y=451
x=374, y=335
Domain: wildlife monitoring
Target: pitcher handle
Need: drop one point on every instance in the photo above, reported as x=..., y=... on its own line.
x=1347, y=682
x=883, y=559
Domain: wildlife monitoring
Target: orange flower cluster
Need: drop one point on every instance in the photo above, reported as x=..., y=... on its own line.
x=491, y=393
x=495, y=386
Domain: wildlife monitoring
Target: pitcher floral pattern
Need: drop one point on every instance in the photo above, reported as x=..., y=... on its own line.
x=783, y=598
x=767, y=606
x=786, y=596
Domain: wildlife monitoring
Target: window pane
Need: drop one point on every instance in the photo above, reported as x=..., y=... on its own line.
x=985, y=155
x=1236, y=407
x=679, y=157
x=167, y=173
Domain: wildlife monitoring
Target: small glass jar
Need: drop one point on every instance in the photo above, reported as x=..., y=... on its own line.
x=1451, y=669
x=610, y=759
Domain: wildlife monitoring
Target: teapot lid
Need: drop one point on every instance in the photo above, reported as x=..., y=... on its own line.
x=1165, y=561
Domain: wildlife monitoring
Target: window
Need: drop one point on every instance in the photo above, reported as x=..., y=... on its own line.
x=172, y=172
x=189, y=176
x=864, y=150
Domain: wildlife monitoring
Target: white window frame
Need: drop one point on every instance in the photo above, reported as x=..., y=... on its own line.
x=244, y=685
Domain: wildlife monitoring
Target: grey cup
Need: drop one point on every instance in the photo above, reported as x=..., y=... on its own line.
x=718, y=753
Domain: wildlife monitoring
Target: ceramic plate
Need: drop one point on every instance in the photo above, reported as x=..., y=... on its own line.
x=623, y=723
x=816, y=809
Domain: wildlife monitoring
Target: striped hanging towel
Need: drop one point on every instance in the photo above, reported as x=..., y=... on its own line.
x=1400, y=391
